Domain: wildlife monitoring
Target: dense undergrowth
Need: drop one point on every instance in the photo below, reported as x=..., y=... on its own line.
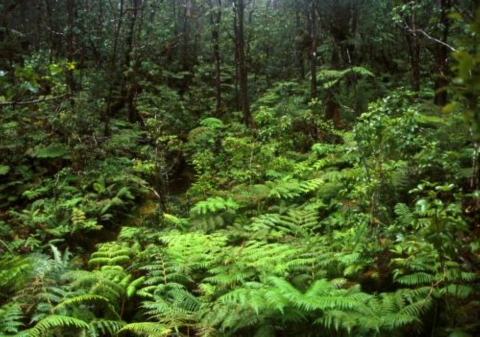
x=180, y=226
x=371, y=231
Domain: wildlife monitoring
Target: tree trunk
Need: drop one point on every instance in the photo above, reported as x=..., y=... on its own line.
x=239, y=12
x=130, y=85
x=442, y=56
x=186, y=34
x=313, y=49
x=70, y=81
x=113, y=61
x=215, y=19
x=414, y=49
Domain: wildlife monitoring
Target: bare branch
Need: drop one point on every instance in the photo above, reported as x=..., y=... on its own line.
x=436, y=40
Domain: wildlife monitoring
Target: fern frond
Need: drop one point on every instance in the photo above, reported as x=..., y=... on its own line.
x=213, y=205
x=457, y=290
x=51, y=322
x=211, y=122
x=14, y=272
x=107, y=327
x=147, y=329
x=415, y=279
x=87, y=298
x=11, y=317
x=284, y=189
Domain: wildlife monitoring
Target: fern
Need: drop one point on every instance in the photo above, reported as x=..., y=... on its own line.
x=214, y=205
x=81, y=299
x=106, y=283
x=53, y=322
x=106, y=327
x=212, y=123
x=331, y=77
x=11, y=317
x=111, y=254
x=300, y=223
x=284, y=189
x=14, y=273
x=53, y=150
x=147, y=329
x=251, y=262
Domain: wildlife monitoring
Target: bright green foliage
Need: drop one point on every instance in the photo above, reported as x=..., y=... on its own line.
x=213, y=205
x=331, y=77
x=147, y=328
x=135, y=201
x=11, y=317
x=50, y=324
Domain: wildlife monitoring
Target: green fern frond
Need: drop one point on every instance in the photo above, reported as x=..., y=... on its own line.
x=196, y=250
x=251, y=294
x=404, y=214
x=132, y=288
x=213, y=205
x=330, y=77
x=111, y=254
x=81, y=299
x=105, y=283
x=416, y=279
x=311, y=185
x=107, y=327
x=14, y=272
x=147, y=329
x=284, y=189
x=457, y=290
x=51, y=322
x=211, y=122
x=300, y=223
x=11, y=318
x=54, y=150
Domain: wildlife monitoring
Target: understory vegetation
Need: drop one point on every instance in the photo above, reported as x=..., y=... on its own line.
x=286, y=168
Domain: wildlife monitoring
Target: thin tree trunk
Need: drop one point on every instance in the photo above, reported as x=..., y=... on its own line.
x=186, y=35
x=239, y=11
x=414, y=49
x=215, y=19
x=70, y=81
x=442, y=57
x=111, y=72
x=300, y=50
x=129, y=87
x=313, y=49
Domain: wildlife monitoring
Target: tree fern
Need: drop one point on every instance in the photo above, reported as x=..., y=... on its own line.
x=331, y=77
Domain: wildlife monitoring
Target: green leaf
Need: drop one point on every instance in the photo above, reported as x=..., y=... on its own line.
x=54, y=150
x=4, y=169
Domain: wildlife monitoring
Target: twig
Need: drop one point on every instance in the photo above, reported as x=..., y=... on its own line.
x=415, y=31
x=436, y=40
